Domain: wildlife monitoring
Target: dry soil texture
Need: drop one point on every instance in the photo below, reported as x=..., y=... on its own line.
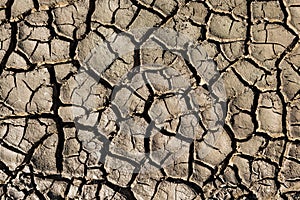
x=149, y=124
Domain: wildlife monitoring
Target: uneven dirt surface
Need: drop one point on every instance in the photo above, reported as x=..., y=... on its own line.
x=149, y=123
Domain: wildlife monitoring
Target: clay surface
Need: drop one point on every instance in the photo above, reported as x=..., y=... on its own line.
x=94, y=104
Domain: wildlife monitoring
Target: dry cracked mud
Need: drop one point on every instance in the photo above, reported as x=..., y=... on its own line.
x=149, y=123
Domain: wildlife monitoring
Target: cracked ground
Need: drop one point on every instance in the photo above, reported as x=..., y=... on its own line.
x=50, y=148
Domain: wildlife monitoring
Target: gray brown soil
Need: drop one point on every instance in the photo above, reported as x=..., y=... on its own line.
x=255, y=48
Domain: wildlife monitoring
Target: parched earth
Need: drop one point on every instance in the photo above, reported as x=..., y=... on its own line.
x=149, y=99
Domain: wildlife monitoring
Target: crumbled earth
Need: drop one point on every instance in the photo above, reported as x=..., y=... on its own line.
x=149, y=133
